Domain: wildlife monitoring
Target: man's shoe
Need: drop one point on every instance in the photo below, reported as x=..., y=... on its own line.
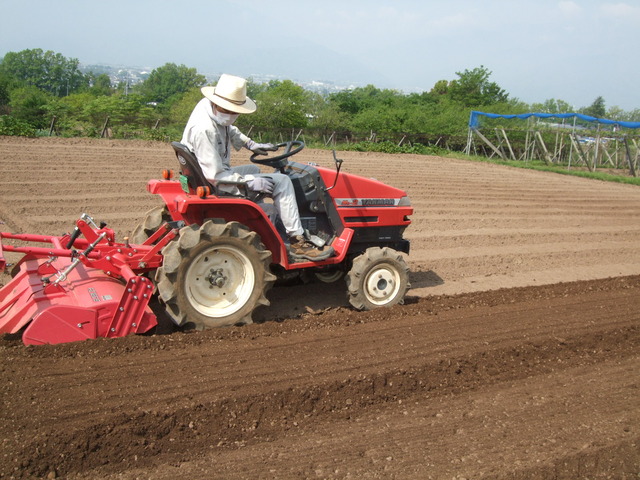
x=302, y=249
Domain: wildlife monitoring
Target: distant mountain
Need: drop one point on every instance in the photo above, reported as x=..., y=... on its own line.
x=276, y=55
x=302, y=62
x=325, y=73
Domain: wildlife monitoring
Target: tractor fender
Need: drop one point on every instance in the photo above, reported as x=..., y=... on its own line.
x=259, y=217
x=191, y=209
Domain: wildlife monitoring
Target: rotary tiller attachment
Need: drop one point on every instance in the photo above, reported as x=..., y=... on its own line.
x=59, y=294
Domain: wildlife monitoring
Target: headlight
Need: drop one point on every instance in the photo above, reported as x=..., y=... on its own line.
x=404, y=202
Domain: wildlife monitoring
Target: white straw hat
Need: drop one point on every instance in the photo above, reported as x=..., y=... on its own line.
x=230, y=93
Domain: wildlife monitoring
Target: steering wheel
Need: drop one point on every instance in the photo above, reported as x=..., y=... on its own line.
x=279, y=161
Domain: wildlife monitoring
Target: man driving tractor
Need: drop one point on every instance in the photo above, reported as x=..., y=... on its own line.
x=210, y=134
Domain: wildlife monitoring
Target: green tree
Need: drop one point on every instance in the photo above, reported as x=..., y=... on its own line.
x=441, y=87
x=616, y=113
x=70, y=113
x=358, y=99
x=443, y=118
x=326, y=116
x=100, y=84
x=170, y=80
x=596, y=109
x=283, y=104
x=254, y=89
x=29, y=104
x=123, y=110
x=634, y=115
x=5, y=89
x=381, y=119
x=48, y=71
x=182, y=107
x=552, y=105
x=473, y=88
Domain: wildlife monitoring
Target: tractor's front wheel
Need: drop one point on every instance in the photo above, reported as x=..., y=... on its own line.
x=378, y=278
x=214, y=275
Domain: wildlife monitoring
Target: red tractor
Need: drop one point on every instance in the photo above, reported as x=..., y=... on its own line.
x=210, y=255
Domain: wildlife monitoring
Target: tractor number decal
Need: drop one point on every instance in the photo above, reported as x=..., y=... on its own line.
x=367, y=202
x=94, y=295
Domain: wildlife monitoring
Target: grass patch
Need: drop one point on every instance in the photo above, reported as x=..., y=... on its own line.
x=560, y=169
x=388, y=147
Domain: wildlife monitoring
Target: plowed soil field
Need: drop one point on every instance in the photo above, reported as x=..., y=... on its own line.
x=516, y=355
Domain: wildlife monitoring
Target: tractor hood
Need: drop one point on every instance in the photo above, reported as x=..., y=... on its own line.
x=366, y=203
x=355, y=191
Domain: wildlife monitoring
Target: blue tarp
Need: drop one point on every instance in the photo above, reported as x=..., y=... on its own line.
x=474, y=119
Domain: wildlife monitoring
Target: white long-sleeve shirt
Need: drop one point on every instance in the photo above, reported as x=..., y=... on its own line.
x=211, y=143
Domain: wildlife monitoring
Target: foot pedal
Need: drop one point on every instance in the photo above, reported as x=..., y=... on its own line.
x=316, y=240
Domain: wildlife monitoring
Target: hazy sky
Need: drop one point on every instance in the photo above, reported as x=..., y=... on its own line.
x=574, y=50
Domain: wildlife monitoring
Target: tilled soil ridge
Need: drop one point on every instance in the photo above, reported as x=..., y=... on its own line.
x=343, y=385
x=515, y=356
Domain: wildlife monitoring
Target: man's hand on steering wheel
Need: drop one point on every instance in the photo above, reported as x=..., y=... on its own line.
x=260, y=148
x=279, y=161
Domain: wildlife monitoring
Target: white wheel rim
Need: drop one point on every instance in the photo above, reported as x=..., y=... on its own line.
x=381, y=285
x=219, y=281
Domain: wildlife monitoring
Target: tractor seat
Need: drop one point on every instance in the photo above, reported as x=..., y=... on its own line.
x=190, y=167
x=192, y=170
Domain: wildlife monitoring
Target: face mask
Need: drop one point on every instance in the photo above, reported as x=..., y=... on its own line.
x=224, y=119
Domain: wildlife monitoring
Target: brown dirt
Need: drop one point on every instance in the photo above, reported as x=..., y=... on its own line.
x=515, y=357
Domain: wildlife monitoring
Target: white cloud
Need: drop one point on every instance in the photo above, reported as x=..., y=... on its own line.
x=569, y=7
x=621, y=10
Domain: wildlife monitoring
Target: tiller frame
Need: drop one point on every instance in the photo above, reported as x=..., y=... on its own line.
x=85, y=285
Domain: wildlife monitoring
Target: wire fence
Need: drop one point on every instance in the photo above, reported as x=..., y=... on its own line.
x=592, y=150
x=328, y=138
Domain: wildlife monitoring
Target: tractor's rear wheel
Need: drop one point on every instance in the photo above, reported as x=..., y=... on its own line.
x=378, y=278
x=151, y=222
x=214, y=275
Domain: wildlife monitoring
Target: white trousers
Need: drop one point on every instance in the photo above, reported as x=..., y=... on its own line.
x=284, y=197
x=246, y=170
